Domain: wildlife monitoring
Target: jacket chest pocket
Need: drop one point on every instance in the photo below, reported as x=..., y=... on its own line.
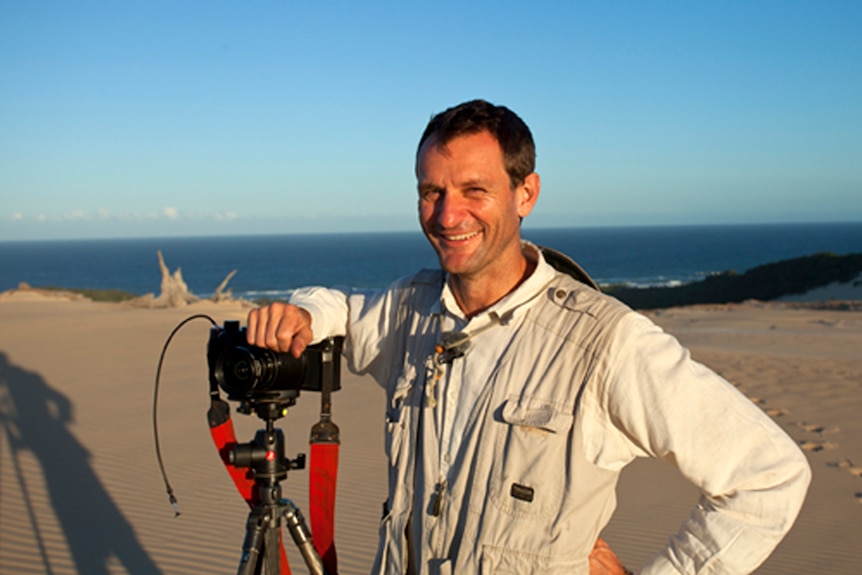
x=531, y=457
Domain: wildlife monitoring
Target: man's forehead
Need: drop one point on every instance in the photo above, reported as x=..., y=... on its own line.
x=434, y=142
x=480, y=144
x=443, y=146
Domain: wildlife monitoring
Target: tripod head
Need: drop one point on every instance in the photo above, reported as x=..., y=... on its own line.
x=264, y=455
x=270, y=407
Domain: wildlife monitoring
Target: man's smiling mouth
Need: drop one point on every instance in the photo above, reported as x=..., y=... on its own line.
x=459, y=237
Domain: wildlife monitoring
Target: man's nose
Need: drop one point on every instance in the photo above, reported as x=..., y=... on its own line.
x=449, y=210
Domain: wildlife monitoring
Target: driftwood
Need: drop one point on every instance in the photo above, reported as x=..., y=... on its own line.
x=221, y=292
x=175, y=292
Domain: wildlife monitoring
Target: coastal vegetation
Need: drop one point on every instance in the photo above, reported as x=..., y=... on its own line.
x=101, y=295
x=764, y=283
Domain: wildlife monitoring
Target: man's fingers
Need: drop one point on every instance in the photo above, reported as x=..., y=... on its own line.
x=303, y=335
x=259, y=328
x=300, y=342
x=285, y=325
x=251, y=326
x=603, y=561
x=256, y=326
x=280, y=327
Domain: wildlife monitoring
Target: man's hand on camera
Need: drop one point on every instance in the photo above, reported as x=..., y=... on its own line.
x=281, y=327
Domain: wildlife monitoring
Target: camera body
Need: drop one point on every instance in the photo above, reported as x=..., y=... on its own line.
x=252, y=374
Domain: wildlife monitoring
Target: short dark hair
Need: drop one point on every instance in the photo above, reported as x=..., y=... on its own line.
x=513, y=135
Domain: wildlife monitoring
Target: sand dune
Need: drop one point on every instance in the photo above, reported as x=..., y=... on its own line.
x=80, y=490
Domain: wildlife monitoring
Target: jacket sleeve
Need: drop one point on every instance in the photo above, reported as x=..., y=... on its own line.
x=328, y=309
x=752, y=476
x=364, y=317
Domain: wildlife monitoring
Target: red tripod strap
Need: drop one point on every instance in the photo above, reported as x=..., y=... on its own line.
x=323, y=475
x=225, y=440
x=221, y=430
x=322, y=480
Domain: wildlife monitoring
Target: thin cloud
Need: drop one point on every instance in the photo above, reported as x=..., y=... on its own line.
x=224, y=216
x=75, y=215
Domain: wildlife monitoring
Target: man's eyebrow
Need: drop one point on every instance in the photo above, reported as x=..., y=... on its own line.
x=474, y=183
x=425, y=187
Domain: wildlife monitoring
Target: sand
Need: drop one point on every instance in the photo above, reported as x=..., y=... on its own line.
x=81, y=492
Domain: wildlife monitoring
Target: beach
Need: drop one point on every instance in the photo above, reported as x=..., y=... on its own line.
x=81, y=491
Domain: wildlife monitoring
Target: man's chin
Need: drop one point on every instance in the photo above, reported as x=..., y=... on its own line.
x=454, y=265
x=455, y=259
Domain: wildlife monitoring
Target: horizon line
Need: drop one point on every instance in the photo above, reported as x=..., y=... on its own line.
x=527, y=229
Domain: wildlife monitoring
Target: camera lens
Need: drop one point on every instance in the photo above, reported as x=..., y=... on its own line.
x=239, y=371
x=244, y=370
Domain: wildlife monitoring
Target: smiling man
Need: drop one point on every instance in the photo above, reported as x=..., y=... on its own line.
x=516, y=392
x=471, y=212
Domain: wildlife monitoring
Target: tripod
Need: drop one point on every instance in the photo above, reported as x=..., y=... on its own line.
x=265, y=456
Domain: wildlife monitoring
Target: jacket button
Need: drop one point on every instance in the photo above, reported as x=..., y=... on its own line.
x=560, y=293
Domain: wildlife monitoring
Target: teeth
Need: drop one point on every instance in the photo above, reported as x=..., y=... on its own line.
x=462, y=237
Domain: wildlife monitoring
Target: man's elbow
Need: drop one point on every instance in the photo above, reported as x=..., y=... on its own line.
x=798, y=481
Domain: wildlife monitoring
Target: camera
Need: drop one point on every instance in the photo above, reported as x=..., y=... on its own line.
x=254, y=374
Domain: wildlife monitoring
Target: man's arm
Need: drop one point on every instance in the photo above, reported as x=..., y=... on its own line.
x=752, y=476
x=365, y=317
x=287, y=326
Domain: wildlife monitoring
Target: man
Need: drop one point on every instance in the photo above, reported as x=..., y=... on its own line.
x=516, y=393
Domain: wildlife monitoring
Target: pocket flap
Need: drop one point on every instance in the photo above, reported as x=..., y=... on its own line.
x=536, y=414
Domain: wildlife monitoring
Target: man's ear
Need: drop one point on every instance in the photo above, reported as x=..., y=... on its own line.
x=528, y=193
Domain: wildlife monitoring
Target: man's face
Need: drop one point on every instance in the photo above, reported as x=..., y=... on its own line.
x=467, y=207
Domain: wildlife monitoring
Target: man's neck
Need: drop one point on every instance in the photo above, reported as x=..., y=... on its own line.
x=476, y=294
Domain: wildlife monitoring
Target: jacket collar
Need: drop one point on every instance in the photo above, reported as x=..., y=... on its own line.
x=513, y=302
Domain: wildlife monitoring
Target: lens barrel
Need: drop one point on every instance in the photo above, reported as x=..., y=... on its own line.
x=242, y=370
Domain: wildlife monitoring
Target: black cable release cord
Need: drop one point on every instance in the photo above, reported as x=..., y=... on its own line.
x=168, y=487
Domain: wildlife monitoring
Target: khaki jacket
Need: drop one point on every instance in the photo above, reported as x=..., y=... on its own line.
x=585, y=386
x=517, y=510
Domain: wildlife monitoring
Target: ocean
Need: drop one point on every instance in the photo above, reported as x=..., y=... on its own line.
x=272, y=266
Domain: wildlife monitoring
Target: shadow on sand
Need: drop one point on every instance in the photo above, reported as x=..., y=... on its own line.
x=35, y=418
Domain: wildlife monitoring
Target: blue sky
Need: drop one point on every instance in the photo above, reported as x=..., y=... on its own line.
x=133, y=119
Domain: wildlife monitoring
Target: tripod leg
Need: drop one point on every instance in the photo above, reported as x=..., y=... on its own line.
x=271, y=559
x=302, y=537
x=255, y=533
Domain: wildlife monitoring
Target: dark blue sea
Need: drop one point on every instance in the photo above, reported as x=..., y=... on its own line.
x=271, y=266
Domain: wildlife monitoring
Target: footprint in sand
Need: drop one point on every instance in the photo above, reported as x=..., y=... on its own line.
x=808, y=445
x=815, y=428
x=772, y=411
x=847, y=465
